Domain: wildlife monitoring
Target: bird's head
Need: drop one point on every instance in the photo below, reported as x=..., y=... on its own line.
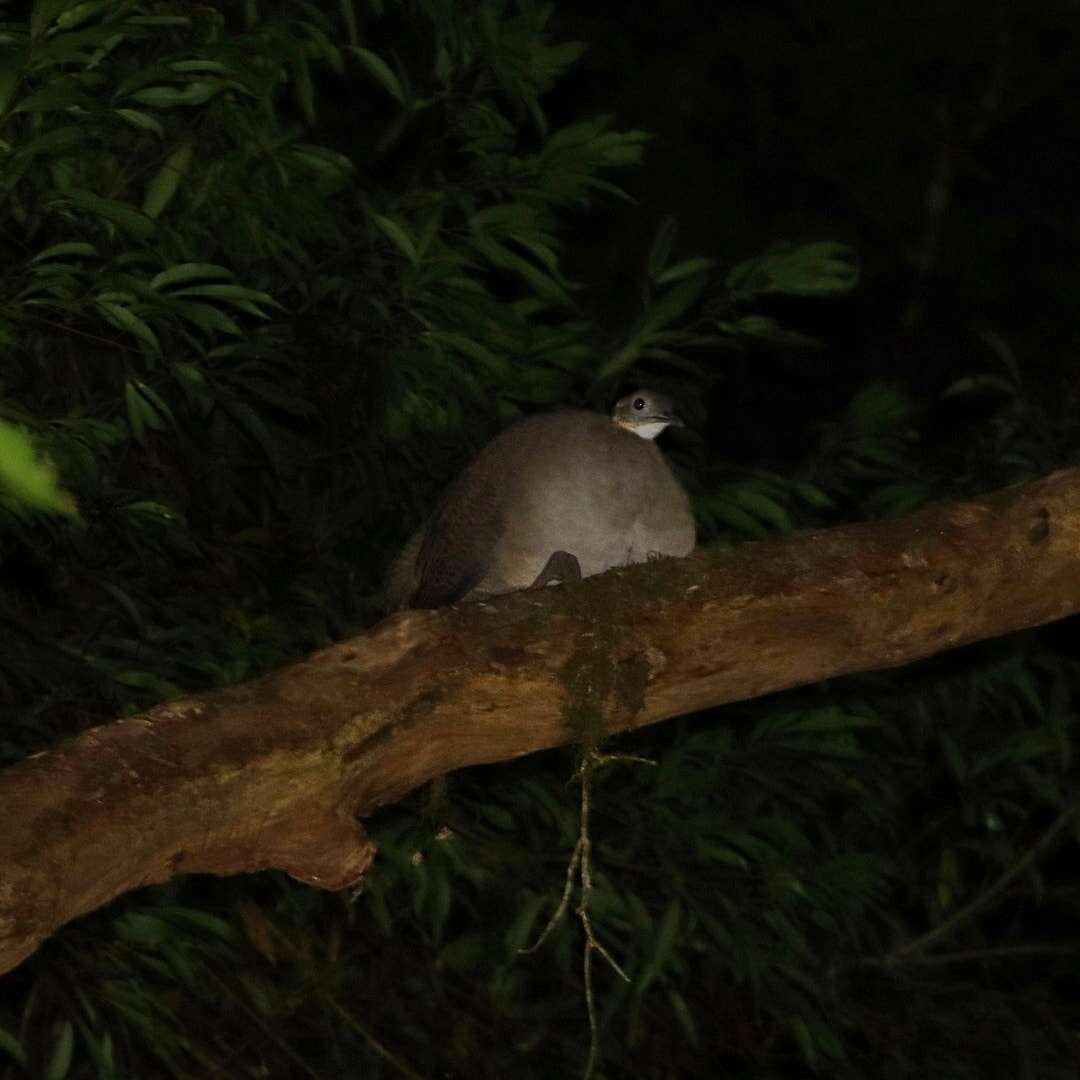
x=645, y=413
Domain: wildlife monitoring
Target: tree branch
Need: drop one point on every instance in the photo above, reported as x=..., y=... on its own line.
x=275, y=772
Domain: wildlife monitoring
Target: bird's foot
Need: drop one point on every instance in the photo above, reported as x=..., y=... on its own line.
x=562, y=567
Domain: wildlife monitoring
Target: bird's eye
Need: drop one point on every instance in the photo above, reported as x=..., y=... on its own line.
x=639, y=403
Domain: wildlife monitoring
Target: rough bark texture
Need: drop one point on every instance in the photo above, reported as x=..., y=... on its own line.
x=274, y=773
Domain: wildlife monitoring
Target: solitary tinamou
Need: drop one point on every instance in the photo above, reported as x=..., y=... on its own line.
x=558, y=496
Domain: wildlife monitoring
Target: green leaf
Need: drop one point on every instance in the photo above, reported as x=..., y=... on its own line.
x=443, y=66
x=163, y=184
x=204, y=920
x=188, y=271
x=761, y=506
x=81, y=12
x=158, y=406
x=238, y=295
x=662, y=244
x=250, y=421
x=1025, y=685
x=44, y=12
x=142, y=76
x=684, y=1016
x=60, y=1062
x=159, y=511
x=142, y=928
x=83, y=48
x=148, y=680
x=194, y=93
x=57, y=141
x=765, y=328
x=213, y=67
x=11, y=65
x=348, y=15
x=131, y=221
x=805, y=1040
x=821, y=269
x=158, y=20
x=51, y=98
x=397, y=236
x=464, y=954
x=324, y=160
x=379, y=70
x=136, y=409
x=70, y=247
x=684, y=270
x=208, y=318
x=141, y=120
x=26, y=478
x=131, y=609
x=518, y=934
x=666, y=936
x=974, y=384
x=123, y=318
x=812, y=494
x=953, y=755
x=669, y=307
x=735, y=518
x=831, y=718
x=101, y=1049
x=302, y=85
x=541, y=252
x=545, y=287
x=13, y=1047
x=495, y=365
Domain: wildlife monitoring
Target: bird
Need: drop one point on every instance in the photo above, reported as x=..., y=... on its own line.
x=555, y=497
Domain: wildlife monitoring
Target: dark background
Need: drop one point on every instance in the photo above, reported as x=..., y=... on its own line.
x=759, y=883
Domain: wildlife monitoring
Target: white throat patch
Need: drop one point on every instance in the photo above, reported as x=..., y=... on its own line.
x=647, y=431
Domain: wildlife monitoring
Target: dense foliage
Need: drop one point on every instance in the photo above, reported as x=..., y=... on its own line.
x=269, y=273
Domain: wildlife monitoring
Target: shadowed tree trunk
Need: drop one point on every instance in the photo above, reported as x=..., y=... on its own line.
x=276, y=772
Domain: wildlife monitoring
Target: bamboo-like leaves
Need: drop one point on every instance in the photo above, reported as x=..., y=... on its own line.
x=380, y=71
x=820, y=269
x=162, y=187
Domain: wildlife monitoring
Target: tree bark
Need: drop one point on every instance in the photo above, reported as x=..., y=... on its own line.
x=276, y=772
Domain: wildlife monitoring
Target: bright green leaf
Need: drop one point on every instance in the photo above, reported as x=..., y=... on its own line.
x=25, y=478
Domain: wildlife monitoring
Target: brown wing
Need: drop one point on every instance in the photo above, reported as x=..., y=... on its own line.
x=460, y=538
x=489, y=496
